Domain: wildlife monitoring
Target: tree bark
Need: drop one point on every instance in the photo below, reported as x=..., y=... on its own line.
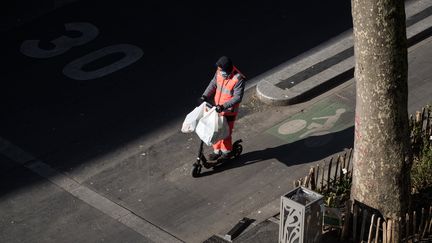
x=382, y=155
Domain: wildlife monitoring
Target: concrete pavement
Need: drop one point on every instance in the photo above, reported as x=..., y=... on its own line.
x=149, y=196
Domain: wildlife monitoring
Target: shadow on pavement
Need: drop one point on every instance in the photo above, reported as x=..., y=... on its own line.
x=307, y=150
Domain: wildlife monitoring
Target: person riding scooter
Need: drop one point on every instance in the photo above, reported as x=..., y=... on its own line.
x=226, y=88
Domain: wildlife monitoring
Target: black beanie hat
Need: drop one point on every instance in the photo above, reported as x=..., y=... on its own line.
x=225, y=64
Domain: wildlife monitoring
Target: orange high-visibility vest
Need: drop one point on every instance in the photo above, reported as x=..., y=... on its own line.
x=225, y=90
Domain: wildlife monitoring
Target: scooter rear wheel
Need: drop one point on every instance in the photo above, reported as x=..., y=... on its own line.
x=238, y=150
x=196, y=171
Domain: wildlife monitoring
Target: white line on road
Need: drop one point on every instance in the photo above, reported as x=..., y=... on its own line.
x=108, y=207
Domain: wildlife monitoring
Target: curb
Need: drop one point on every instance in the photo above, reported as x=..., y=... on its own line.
x=331, y=63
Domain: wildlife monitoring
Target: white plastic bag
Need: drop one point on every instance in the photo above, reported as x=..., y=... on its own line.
x=191, y=120
x=223, y=130
x=212, y=127
x=207, y=126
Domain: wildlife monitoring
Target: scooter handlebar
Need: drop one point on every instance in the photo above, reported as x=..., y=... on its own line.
x=209, y=105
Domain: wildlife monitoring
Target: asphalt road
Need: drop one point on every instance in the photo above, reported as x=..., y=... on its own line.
x=175, y=44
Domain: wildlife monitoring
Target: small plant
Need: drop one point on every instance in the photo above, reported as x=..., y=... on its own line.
x=339, y=191
x=421, y=171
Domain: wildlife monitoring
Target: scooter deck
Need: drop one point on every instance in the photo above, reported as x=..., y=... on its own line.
x=213, y=163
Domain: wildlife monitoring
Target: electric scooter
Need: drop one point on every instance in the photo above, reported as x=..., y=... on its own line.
x=202, y=160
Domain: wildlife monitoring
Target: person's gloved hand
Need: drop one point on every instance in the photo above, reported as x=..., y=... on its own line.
x=201, y=99
x=219, y=108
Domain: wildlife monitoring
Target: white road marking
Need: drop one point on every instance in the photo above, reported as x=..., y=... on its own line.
x=292, y=127
x=322, y=129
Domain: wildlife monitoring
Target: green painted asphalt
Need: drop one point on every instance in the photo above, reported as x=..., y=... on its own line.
x=325, y=117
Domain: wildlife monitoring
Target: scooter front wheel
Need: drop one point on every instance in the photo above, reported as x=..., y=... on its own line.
x=196, y=171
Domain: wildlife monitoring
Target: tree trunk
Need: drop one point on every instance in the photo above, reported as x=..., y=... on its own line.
x=382, y=155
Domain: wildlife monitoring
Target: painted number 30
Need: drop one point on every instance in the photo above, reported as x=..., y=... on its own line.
x=74, y=69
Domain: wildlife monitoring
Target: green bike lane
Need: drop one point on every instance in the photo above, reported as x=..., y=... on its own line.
x=330, y=115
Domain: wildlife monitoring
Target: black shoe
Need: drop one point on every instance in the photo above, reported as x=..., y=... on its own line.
x=226, y=156
x=214, y=156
